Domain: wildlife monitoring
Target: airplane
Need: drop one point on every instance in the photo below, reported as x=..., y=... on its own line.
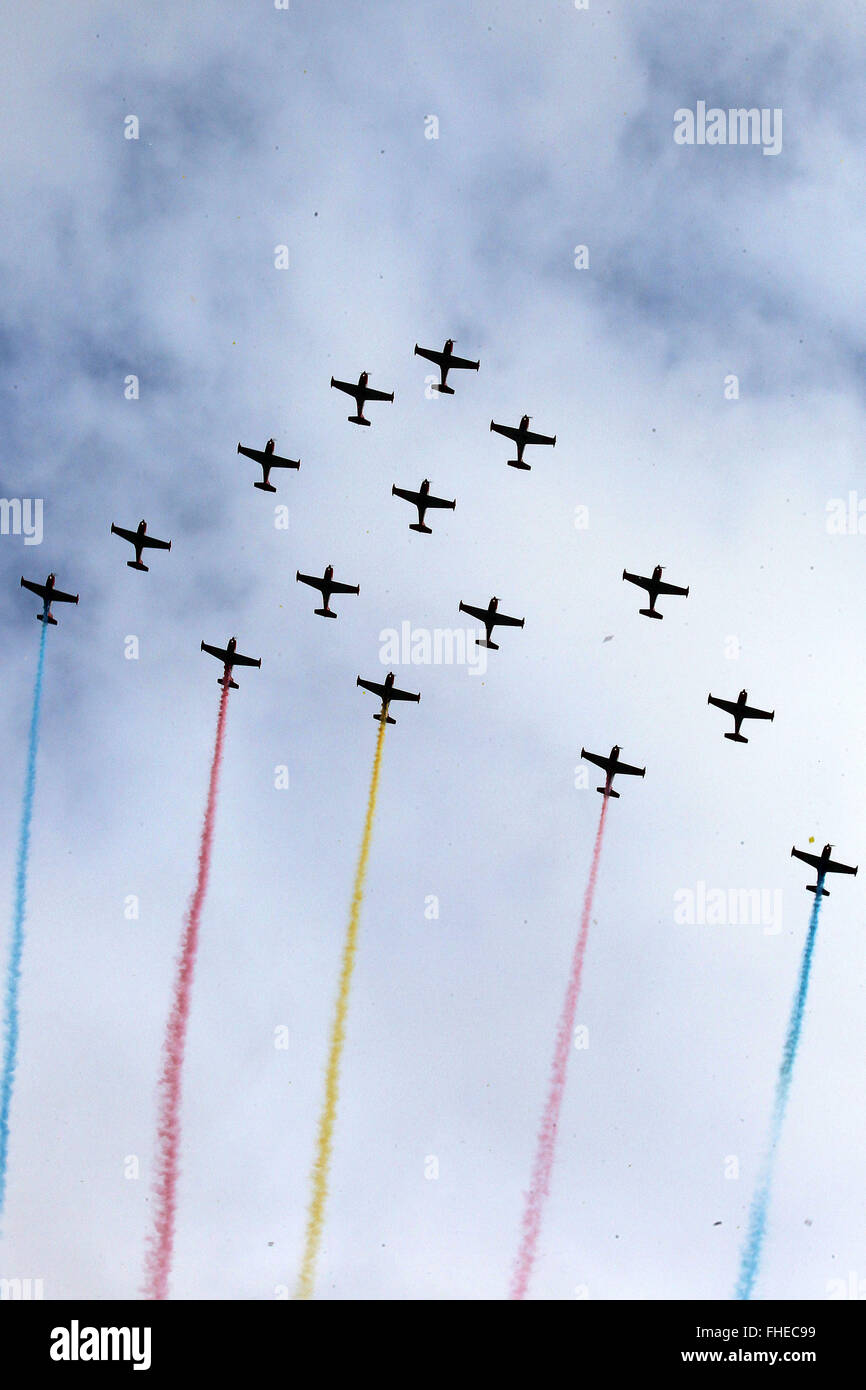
x=491, y=618
x=422, y=500
x=611, y=765
x=446, y=362
x=141, y=541
x=327, y=585
x=654, y=586
x=362, y=393
x=387, y=693
x=740, y=710
x=49, y=595
x=268, y=460
x=823, y=864
x=230, y=656
x=522, y=436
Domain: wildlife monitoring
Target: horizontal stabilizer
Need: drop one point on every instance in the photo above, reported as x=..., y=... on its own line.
x=443, y=390
x=49, y=619
x=265, y=487
x=604, y=791
x=357, y=420
x=813, y=888
x=137, y=565
x=418, y=526
x=518, y=463
x=650, y=613
x=388, y=719
x=737, y=738
x=483, y=642
x=324, y=612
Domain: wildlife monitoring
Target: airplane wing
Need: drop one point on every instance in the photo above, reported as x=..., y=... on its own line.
x=337, y=588
x=127, y=535
x=638, y=579
x=350, y=387
x=749, y=712
x=439, y=502
x=314, y=581
x=596, y=758
x=813, y=859
x=540, y=438
x=238, y=660
x=413, y=497
x=40, y=589
x=219, y=652
x=482, y=614
x=508, y=430
x=151, y=543
x=371, y=395
x=404, y=695
x=730, y=706
x=269, y=460
x=373, y=687
x=432, y=355
x=664, y=588
x=834, y=868
x=464, y=363
x=624, y=769
x=503, y=620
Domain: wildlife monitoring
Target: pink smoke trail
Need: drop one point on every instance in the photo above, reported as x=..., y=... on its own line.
x=546, y=1147
x=161, y=1241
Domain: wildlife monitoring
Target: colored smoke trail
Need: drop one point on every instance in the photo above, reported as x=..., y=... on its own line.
x=16, y=947
x=760, y=1201
x=161, y=1242
x=546, y=1147
x=327, y=1120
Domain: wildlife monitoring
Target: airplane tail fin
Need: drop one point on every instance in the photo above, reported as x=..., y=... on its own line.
x=233, y=685
x=325, y=612
x=419, y=526
x=737, y=738
x=813, y=888
x=265, y=487
x=137, y=565
x=604, y=791
x=50, y=618
x=357, y=420
x=388, y=719
x=482, y=642
x=518, y=463
x=443, y=390
x=650, y=613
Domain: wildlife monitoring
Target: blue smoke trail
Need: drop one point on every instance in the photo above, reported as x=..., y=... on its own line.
x=760, y=1201
x=13, y=975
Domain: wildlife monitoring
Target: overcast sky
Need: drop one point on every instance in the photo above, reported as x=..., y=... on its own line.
x=155, y=257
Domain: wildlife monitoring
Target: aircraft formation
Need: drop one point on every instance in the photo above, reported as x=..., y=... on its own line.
x=490, y=617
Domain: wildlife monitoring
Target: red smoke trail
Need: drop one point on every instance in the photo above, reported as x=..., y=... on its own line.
x=544, y=1153
x=161, y=1242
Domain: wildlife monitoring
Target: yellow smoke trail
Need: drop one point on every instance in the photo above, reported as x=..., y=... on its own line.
x=325, y=1139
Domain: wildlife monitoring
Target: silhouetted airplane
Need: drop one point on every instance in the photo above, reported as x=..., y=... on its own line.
x=268, y=460
x=740, y=710
x=824, y=865
x=141, y=541
x=230, y=656
x=386, y=694
x=49, y=595
x=491, y=618
x=654, y=586
x=422, y=500
x=446, y=362
x=327, y=585
x=522, y=436
x=362, y=393
x=612, y=766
